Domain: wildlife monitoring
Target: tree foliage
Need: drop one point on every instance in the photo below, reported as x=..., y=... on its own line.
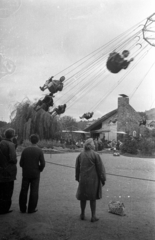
x=26, y=121
x=129, y=145
x=68, y=123
x=147, y=146
x=2, y=124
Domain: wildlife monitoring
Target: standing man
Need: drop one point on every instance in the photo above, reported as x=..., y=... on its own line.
x=8, y=170
x=32, y=162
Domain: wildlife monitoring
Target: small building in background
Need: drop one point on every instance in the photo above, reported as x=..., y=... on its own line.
x=115, y=124
x=150, y=124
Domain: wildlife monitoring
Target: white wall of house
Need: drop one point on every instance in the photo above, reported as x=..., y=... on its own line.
x=112, y=127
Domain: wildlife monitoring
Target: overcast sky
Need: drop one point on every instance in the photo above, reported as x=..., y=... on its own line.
x=40, y=38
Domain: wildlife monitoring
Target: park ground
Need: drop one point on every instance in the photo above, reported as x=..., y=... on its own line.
x=129, y=180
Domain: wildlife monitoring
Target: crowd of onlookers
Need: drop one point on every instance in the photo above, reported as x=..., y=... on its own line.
x=103, y=143
x=100, y=143
x=89, y=172
x=32, y=162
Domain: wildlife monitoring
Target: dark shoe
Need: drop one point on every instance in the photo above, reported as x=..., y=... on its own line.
x=33, y=211
x=41, y=88
x=82, y=217
x=9, y=211
x=94, y=219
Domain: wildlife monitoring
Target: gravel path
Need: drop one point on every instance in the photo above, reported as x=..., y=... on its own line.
x=58, y=210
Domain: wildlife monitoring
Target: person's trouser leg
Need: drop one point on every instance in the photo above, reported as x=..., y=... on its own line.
x=83, y=206
x=6, y=191
x=23, y=194
x=2, y=187
x=34, y=192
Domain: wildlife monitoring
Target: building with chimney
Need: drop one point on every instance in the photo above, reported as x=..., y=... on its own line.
x=118, y=122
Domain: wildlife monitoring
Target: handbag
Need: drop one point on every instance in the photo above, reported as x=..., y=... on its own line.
x=117, y=208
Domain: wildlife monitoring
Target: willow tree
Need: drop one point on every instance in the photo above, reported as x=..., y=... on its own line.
x=26, y=121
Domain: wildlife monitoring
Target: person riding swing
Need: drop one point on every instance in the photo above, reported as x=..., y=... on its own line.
x=87, y=115
x=45, y=104
x=59, y=110
x=116, y=62
x=53, y=85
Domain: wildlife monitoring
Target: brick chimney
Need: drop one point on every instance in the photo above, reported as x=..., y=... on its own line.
x=128, y=118
x=123, y=114
x=123, y=101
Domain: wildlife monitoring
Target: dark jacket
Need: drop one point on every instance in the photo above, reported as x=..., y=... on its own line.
x=8, y=170
x=32, y=162
x=116, y=63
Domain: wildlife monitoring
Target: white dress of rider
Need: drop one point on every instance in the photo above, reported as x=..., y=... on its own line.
x=48, y=83
x=52, y=83
x=55, y=83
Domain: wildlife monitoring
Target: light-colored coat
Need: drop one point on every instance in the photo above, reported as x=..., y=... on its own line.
x=90, y=173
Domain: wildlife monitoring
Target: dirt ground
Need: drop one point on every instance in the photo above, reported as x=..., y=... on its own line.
x=58, y=210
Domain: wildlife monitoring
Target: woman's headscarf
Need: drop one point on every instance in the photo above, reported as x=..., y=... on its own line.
x=89, y=144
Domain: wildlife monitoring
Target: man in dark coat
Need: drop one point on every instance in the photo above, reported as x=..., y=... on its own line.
x=32, y=162
x=90, y=173
x=8, y=170
x=14, y=140
x=44, y=104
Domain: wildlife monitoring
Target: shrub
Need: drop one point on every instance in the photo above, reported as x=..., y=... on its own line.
x=147, y=146
x=129, y=145
x=44, y=144
x=26, y=143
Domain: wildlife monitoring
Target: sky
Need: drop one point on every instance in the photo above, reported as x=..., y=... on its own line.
x=40, y=38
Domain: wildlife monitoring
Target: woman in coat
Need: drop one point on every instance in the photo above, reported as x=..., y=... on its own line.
x=90, y=173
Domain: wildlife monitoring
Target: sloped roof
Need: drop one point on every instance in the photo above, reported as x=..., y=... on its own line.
x=149, y=122
x=78, y=131
x=99, y=121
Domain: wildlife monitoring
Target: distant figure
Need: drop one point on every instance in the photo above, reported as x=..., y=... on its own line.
x=116, y=62
x=8, y=171
x=59, y=110
x=44, y=104
x=32, y=162
x=96, y=144
x=142, y=122
x=14, y=140
x=90, y=173
x=87, y=115
x=53, y=85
